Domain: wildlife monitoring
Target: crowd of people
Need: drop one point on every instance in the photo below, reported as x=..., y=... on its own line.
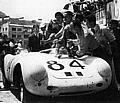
x=67, y=26
x=91, y=38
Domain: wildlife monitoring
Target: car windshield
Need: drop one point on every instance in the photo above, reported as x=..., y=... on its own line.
x=54, y=51
x=62, y=50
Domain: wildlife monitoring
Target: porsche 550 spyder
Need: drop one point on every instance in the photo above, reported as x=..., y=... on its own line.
x=44, y=74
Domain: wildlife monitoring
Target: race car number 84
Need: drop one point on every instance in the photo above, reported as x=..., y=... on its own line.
x=56, y=66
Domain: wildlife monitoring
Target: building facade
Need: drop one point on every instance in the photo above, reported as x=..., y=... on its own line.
x=17, y=29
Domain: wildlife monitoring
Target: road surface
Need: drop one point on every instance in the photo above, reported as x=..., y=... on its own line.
x=7, y=96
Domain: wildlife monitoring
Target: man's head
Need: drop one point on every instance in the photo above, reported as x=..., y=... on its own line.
x=91, y=21
x=59, y=16
x=35, y=28
x=68, y=15
x=78, y=19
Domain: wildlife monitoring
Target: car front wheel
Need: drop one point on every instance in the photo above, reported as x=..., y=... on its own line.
x=6, y=83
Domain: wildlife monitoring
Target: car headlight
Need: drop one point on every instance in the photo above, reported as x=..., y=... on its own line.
x=103, y=68
x=40, y=74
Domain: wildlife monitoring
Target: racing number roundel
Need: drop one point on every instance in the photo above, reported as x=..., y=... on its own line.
x=55, y=66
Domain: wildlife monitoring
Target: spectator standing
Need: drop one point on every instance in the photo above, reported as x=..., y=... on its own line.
x=116, y=48
x=34, y=40
x=42, y=36
x=1, y=50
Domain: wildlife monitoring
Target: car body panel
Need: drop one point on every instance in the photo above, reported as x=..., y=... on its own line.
x=47, y=75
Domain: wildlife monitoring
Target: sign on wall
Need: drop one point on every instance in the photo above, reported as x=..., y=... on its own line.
x=113, y=9
x=101, y=17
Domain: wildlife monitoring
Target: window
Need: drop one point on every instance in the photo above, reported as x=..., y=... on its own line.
x=19, y=29
x=13, y=29
x=5, y=29
x=26, y=36
x=19, y=36
x=13, y=36
x=0, y=34
x=29, y=30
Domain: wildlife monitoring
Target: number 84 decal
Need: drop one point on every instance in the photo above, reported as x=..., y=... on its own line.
x=56, y=66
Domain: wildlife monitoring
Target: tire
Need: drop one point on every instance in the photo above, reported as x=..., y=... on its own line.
x=29, y=97
x=32, y=98
x=113, y=88
x=17, y=81
x=16, y=90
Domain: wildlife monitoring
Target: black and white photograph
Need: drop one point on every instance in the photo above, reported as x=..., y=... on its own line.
x=59, y=51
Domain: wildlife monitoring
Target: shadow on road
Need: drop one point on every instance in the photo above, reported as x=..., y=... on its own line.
x=91, y=98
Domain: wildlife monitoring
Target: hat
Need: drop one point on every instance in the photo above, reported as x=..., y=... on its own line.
x=59, y=13
x=68, y=13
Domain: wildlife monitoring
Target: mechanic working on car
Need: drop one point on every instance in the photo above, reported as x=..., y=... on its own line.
x=106, y=42
x=114, y=26
x=105, y=38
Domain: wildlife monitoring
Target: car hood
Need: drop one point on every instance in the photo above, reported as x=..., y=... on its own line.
x=66, y=68
x=63, y=67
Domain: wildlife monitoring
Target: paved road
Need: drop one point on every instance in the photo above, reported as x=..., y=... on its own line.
x=7, y=96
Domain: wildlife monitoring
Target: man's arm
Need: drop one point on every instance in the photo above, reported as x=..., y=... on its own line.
x=109, y=35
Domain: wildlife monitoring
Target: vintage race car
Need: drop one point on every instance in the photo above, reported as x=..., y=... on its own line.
x=44, y=74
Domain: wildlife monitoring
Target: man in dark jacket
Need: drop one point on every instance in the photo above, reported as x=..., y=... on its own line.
x=34, y=40
x=116, y=48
